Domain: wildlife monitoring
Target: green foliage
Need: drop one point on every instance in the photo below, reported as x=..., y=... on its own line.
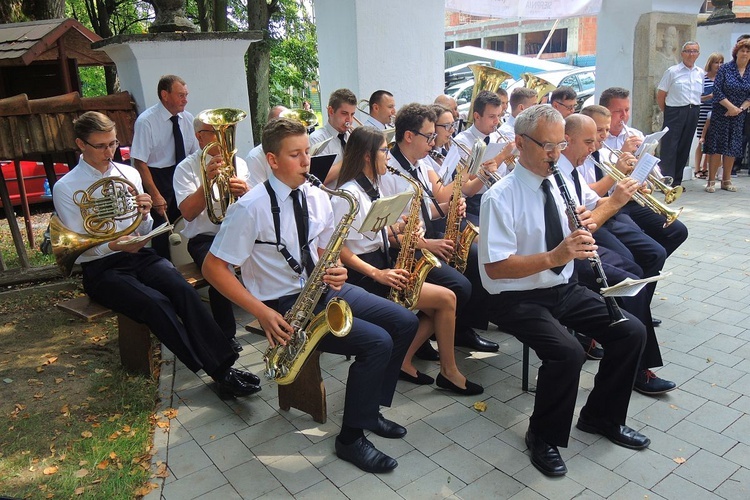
x=92, y=81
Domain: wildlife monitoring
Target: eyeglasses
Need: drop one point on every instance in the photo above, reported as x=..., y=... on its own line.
x=385, y=150
x=430, y=138
x=447, y=126
x=570, y=107
x=548, y=146
x=102, y=147
x=692, y=51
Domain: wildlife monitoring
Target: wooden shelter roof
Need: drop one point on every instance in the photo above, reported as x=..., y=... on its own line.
x=24, y=43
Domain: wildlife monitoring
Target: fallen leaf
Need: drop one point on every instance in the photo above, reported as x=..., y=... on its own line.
x=80, y=490
x=39, y=395
x=679, y=460
x=86, y=434
x=112, y=455
x=125, y=428
x=50, y=361
x=81, y=473
x=162, y=424
x=674, y=407
x=39, y=369
x=48, y=471
x=65, y=410
x=59, y=380
x=170, y=413
x=146, y=489
x=480, y=406
x=102, y=465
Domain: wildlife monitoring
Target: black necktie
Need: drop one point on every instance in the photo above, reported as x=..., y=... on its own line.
x=343, y=141
x=597, y=172
x=179, y=143
x=577, y=183
x=300, y=218
x=487, y=140
x=553, y=234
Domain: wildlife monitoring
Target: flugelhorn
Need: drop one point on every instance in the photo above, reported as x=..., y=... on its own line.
x=216, y=190
x=663, y=184
x=643, y=199
x=103, y=204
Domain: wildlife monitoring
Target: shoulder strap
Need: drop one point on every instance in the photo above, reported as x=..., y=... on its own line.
x=275, y=213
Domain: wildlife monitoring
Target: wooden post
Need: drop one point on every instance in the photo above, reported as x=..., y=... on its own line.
x=11, y=218
x=24, y=202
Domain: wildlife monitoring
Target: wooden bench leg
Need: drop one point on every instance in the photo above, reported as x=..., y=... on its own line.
x=307, y=393
x=134, y=339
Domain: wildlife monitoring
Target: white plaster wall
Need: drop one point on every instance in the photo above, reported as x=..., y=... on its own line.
x=615, y=39
x=719, y=38
x=396, y=45
x=214, y=71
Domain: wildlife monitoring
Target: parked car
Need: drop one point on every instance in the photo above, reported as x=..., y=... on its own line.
x=34, y=179
x=582, y=80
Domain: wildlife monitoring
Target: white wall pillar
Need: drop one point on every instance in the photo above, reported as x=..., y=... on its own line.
x=395, y=45
x=212, y=65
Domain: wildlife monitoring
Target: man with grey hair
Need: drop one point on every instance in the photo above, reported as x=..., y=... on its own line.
x=679, y=98
x=526, y=258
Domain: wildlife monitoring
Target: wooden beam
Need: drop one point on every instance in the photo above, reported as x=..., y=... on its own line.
x=10, y=216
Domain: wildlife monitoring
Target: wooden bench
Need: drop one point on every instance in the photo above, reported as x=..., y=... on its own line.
x=308, y=392
x=134, y=339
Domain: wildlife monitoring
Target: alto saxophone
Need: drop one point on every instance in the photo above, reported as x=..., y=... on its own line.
x=409, y=295
x=284, y=362
x=462, y=240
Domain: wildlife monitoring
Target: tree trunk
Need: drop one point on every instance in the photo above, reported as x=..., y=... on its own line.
x=220, y=15
x=258, y=64
x=10, y=11
x=44, y=9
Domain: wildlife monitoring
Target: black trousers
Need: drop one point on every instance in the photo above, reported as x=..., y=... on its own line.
x=221, y=307
x=163, y=179
x=148, y=289
x=381, y=333
x=539, y=318
x=632, y=243
x=675, y=145
x=670, y=237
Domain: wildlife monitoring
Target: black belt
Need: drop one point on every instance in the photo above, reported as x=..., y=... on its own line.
x=689, y=106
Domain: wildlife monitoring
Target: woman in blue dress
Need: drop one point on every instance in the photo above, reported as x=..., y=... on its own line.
x=731, y=100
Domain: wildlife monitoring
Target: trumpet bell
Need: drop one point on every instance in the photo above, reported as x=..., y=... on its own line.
x=541, y=86
x=485, y=78
x=305, y=117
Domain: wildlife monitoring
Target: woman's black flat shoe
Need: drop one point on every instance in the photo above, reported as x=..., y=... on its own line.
x=471, y=388
x=420, y=379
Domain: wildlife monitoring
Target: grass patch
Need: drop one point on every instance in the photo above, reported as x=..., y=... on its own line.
x=39, y=222
x=72, y=423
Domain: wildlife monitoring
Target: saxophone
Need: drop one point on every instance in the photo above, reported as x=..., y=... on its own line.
x=462, y=240
x=409, y=295
x=284, y=362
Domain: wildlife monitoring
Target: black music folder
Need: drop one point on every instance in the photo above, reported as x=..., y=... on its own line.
x=321, y=165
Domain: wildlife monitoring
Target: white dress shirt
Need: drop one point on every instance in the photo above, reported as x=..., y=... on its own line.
x=187, y=180
x=509, y=128
x=469, y=136
x=265, y=273
x=258, y=169
x=153, y=141
x=372, y=122
x=358, y=243
x=391, y=184
x=333, y=146
x=589, y=197
x=80, y=178
x=683, y=85
x=512, y=223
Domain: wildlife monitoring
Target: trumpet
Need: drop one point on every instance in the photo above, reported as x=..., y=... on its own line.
x=510, y=162
x=643, y=199
x=663, y=183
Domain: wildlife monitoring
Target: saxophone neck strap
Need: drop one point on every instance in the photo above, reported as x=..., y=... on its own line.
x=413, y=171
x=276, y=214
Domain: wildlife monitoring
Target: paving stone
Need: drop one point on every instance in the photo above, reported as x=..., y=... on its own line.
x=426, y=438
x=737, y=486
x=668, y=445
x=461, y=463
x=632, y=490
x=706, y=470
x=195, y=485
x=500, y=455
x=721, y=375
x=227, y=452
x=702, y=437
x=593, y=476
x=451, y=417
x=411, y=467
x=252, y=479
x=323, y=489
x=740, y=429
x=494, y=485
x=710, y=391
x=474, y=432
x=369, y=487
x=646, y=468
x=661, y=415
x=437, y=484
x=559, y=487
x=225, y=492
x=674, y=487
x=186, y=459
x=714, y=416
x=217, y=429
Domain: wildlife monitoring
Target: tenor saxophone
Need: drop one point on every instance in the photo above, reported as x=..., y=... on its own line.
x=462, y=240
x=284, y=362
x=409, y=295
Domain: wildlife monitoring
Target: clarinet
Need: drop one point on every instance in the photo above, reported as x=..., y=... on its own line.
x=615, y=314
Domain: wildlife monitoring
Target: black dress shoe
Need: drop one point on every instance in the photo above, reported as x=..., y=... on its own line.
x=545, y=457
x=621, y=435
x=471, y=339
x=472, y=389
x=646, y=382
x=364, y=455
x=420, y=379
x=231, y=385
x=236, y=346
x=427, y=352
x=656, y=322
x=247, y=377
x=389, y=429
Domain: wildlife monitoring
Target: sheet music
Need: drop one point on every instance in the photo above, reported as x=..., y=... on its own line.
x=630, y=287
x=650, y=142
x=493, y=149
x=645, y=165
x=385, y=212
x=166, y=227
x=449, y=164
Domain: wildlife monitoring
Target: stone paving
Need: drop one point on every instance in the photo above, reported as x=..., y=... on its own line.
x=700, y=432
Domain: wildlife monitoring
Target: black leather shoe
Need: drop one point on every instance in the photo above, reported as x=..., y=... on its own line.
x=656, y=322
x=545, y=457
x=471, y=339
x=427, y=352
x=472, y=389
x=236, y=346
x=646, y=382
x=389, y=429
x=420, y=379
x=621, y=435
x=247, y=377
x=231, y=385
x=364, y=455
